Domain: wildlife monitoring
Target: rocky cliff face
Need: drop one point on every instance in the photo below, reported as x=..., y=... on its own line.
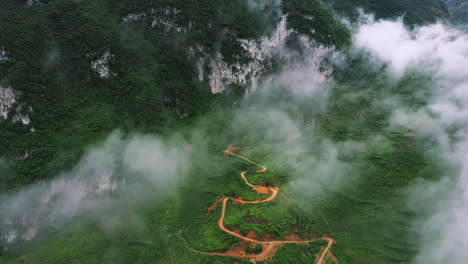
x=7, y=100
x=258, y=54
x=101, y=65
x=46, y=205
x=261, y=53
x=10, y=107
x=3, y=54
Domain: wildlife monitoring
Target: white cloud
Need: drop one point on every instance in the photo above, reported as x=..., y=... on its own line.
x=138, y=168
x=402, y=48
x=442, y=53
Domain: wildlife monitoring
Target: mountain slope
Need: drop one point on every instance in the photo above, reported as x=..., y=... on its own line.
x=114, y=116
x=415, y=12
x=81, y=69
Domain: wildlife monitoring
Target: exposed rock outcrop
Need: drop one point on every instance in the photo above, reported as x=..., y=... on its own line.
x=101, y=65
x=262, y=53
x=7, y=100
x=3, y=54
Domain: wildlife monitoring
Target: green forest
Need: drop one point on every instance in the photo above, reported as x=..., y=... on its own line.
x=342, y=167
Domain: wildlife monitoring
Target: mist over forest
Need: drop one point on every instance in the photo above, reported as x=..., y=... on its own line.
x=247, y=131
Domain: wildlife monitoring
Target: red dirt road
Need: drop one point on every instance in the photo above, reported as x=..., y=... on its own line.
x=269, y=247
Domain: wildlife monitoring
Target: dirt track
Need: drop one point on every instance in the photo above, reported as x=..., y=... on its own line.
x=269, y=247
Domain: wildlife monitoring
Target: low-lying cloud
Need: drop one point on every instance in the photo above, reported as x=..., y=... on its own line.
x=124, y=170
x=142, y=167
x=441, y=53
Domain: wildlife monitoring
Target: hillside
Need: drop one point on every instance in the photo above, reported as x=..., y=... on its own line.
x=80, y=70
x=220, y=131
x=415, y=12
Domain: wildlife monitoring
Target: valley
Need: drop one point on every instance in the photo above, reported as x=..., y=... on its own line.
x=344, y=121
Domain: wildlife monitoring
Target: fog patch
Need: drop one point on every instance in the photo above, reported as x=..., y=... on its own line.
x=441, y=52
x=310, y=77
x=436, y=46
x=121, y=171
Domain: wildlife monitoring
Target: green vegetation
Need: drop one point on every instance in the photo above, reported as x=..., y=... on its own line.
x=314, y=19
x=276, y=217
x=51, y=47
x=369, y=221
x=414, y=12
x=155, y=89
x=302, y=253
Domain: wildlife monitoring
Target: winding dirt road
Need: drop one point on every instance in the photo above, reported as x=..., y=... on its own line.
x=269, y=247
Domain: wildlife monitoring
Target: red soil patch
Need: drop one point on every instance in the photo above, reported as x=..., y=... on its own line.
x=269, y=251
x=327, y=258
x=237, y=250
x=231, y=148
x=319, y=253
x=327, y=237
x=269, y=237
x=253, y=244
x=214, y=206
x=325, y=250
x=239, y=200
x=331, y=258
x=261, y=189
x=254, y=235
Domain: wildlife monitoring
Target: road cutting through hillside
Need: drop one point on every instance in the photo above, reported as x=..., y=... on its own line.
x=269, y=248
